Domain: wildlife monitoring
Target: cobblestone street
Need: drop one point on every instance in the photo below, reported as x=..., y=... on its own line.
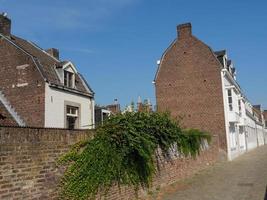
x=245, y=178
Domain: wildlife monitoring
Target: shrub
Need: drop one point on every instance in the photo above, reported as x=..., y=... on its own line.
x=122, y=152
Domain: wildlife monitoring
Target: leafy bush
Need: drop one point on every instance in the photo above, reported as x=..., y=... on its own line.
x=123, y=153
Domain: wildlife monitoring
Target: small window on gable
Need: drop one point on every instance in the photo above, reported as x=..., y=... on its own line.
x=68, y=74
x=69, y=79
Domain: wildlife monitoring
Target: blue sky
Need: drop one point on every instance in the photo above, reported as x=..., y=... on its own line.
x=116, y=43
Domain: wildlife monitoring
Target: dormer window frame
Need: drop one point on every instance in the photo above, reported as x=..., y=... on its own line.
x=69, y=79
x=68, y=75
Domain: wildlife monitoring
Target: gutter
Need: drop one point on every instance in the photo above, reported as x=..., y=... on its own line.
x=70, y=90
x=232, y=80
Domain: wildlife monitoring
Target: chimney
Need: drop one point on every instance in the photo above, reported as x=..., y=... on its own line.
x=53, y=52
x=184, y=30
x=5, y=24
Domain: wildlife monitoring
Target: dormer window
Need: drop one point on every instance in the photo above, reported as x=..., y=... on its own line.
x=67, y=73
x=69, y=79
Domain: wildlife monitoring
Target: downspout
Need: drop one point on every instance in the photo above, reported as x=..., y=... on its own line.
x=93, y=113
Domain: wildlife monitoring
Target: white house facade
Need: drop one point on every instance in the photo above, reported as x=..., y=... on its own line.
x=65, y=106
x=244, y=123
x=38, y=89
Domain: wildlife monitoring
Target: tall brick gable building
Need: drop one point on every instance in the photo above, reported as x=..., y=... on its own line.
x=199, y=86
x=37, y=88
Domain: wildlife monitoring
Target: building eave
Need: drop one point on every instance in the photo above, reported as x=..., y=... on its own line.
x=71, y=90
x=162, y=58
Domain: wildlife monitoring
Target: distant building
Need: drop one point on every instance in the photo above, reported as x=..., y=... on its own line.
x=38, y=89
x=141, y=106
x=199, y=85
x=265, y=118
x=144, y=106
x=101, y=114
x=104, y=112
x=115, y=108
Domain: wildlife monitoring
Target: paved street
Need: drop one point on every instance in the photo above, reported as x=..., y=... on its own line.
x=245, y=178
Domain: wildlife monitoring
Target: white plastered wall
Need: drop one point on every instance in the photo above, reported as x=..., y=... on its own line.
x=55, y=101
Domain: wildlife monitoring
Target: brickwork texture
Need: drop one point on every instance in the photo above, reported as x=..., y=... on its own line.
x=28, y=164
x=189, y=86
x=22, y=84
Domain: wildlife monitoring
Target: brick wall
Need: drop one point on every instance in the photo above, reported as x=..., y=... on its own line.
x=27, y=161
x=22, y=84
x=5, y=117
x=265, y=117
x=188, y=84
x=28, y=170
x=171, y=172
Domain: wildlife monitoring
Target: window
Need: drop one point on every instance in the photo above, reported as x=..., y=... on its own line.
x=233, y=135
x=68, y=79
x=230, y=100
x=72, y=117
x=239, y=108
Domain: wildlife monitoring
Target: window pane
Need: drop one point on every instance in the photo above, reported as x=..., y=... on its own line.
x=68, y=110
x=73, y=110
x=70, y=79
x=65, y=79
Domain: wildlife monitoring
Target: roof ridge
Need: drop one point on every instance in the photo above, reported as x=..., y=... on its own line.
x=41, y=49
x=37, y=47
x=28, y=53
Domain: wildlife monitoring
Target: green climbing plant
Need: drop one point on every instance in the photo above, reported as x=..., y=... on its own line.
x=122, y=152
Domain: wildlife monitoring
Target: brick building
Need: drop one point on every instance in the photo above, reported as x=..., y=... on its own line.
x=265, y=118
x=37, y=88
x=198, y=86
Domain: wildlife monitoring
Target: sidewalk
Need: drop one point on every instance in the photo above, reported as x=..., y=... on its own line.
x=245, y=178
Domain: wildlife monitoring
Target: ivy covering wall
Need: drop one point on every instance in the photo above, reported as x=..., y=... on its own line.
x=123, y=152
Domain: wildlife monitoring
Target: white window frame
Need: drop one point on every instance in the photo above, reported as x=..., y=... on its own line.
x=69, y=81
x=240, y=107
x=230, y=97
x=75, y=114
x=69, y=67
